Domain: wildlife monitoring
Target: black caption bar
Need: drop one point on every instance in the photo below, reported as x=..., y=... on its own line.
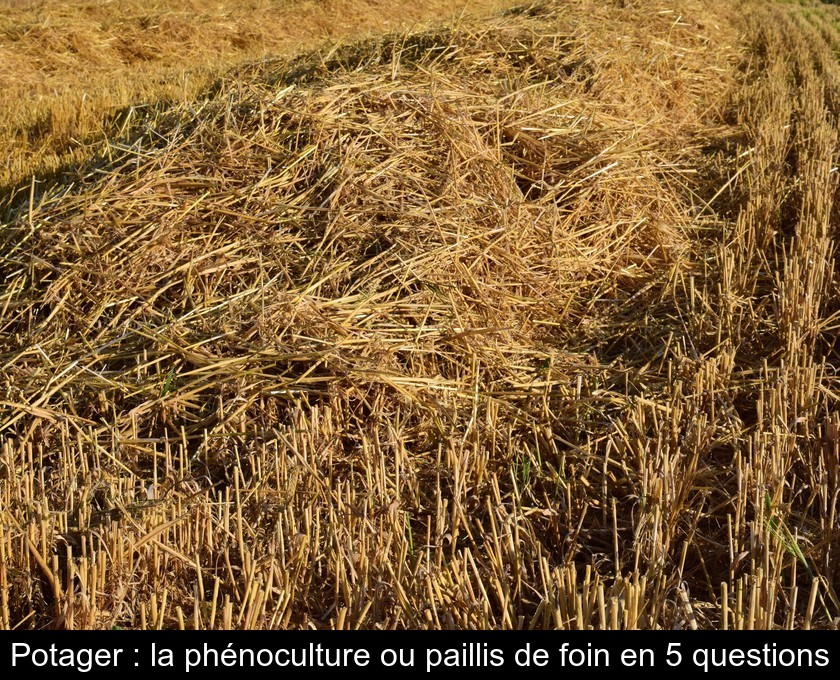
x=418, y=653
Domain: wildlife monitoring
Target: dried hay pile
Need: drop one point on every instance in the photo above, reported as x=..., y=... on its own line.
x=413, y=333
x=73, y=73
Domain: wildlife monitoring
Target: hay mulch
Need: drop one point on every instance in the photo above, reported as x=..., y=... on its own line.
x=429, y=331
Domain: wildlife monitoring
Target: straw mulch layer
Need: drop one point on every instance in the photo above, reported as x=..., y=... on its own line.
x=525, y=322
x=74, y=72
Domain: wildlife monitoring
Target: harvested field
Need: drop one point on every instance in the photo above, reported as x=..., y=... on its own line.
x=525, y=320
x=76, y=72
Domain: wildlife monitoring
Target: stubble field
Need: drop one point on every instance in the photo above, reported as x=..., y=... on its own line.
x=524, y=317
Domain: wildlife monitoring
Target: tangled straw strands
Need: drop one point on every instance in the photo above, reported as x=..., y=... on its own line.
x=461, y=328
